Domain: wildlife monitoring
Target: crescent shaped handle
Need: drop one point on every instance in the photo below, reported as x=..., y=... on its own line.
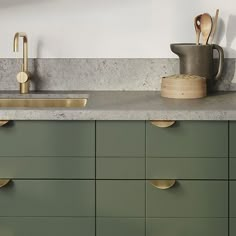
x=163, y=123
x=3, y=122
x=163, y=184
x=4, y=182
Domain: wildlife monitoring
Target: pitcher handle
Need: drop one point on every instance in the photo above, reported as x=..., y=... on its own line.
x=221, y=60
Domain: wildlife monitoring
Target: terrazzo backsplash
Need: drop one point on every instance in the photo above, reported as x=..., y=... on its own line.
x=101, y=74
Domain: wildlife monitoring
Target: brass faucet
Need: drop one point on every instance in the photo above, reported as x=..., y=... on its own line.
x=23, y=76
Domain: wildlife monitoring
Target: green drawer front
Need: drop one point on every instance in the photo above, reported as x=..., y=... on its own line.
x=120, y=168
x=188, y=139
x=48, y=138
x=120, y=138
x=117, y=198
x=120, y=149
x=232, y=138
x=187, y=227
x=189, y=199
x=43, y=226
x=232, y=190
x=232, y=227
x=48, y=198
x=232, y=168
x=120, y=227
x=187, y=168
x=47, y=167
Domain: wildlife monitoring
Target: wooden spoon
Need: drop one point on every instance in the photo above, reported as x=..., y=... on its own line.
x=206, y=27
x=214, y=27
x=197, y=28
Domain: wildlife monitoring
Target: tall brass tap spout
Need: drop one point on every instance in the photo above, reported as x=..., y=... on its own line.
x=23, y=76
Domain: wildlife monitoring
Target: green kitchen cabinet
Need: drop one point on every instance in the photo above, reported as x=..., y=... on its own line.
x=188, y=139
x=120, y=207
x=120, y=138
x=232, y=170
x=87, y=178
x=47, y=167
x=195, y=154
x=232, y=226
x=187, y=226
x=120, y=198
x=187, y=168
x=120, y=168
x=232, y=189
x=120, y=226
x=120, y=149
x=232, y=139
x=232, y=135
x=48, y=139
x=48, y=198
x=48, y=150
x=188, y=198
x=47, y=226
x=232, y=198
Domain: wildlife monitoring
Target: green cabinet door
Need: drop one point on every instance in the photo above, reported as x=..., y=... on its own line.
x=187, y=168
x=188, y=198
x=120, y=168
x=120, y=227
x=187, y=226
x=232, y=190
x=47, y=167
x=47, y=226
x=188, y=139
x=120, y=138
x=33, y=198
x=232, y=187
x=232, y=168
x=120, y=198
x=232, y=226
x=120, y=207
x=48, y=150
x=48, y=138
x=120, y=149
x=232, y=136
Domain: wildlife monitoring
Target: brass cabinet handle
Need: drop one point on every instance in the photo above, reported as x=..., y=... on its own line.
x=163, y=123
x=4, y=182
x=163, y=184
x=3, y=122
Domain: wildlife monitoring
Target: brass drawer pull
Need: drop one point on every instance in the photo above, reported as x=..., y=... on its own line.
x=3, y=122
x=163, y=184
x=163, y=123
x=4, y=182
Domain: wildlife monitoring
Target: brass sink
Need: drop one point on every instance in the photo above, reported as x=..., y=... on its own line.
x=43, y=102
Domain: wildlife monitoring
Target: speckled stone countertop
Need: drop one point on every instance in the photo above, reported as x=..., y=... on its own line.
x=106, y=105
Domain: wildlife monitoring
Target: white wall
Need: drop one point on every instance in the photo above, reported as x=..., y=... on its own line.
x=110, y=28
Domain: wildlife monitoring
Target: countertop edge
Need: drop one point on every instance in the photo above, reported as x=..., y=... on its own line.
x=116, y=115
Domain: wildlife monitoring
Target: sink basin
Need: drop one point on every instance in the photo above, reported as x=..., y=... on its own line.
x=43, y=102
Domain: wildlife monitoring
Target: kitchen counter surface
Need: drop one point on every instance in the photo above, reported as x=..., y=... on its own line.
x=114, y=105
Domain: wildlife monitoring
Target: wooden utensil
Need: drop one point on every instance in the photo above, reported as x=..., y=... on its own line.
x=197, y=28
x=206, y=27
x=214, y=27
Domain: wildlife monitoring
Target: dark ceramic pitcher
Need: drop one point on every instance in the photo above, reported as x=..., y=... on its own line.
x=198, y=60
